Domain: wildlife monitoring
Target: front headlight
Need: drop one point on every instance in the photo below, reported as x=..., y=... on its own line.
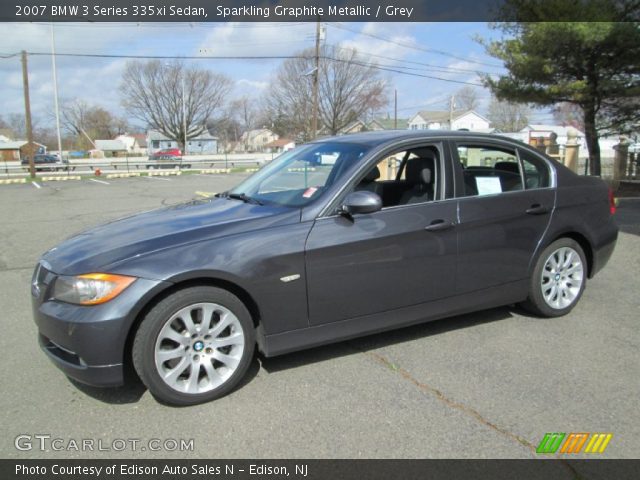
x=91, y=288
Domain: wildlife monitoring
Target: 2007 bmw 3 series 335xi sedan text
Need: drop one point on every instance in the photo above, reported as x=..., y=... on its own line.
x=335, y=239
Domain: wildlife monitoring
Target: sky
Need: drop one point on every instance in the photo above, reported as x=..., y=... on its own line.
x=449, y=50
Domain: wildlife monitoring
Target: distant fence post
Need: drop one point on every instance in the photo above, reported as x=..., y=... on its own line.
x=572, y=150
x=620, y=158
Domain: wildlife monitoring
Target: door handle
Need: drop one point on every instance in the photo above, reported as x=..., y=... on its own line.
x=438, y=225
x=536, y=209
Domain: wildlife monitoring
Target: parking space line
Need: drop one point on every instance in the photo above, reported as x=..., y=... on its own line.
x=99, y=181
x=35, y=184
x=158, y=178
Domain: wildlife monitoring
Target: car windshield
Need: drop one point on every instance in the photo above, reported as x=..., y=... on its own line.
x=300, y=176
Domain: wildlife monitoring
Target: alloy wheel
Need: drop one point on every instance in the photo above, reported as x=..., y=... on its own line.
x=199, y=348
x=562, y=278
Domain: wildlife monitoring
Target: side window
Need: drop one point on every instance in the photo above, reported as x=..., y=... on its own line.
x=405, y=177
x=489, y=170
x=536, y=171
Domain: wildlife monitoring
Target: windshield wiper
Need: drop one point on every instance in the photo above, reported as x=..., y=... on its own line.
x=241, y=196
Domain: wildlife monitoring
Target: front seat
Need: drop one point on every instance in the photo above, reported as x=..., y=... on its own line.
x=369, y=183
x=509, y=173
x=420, y=177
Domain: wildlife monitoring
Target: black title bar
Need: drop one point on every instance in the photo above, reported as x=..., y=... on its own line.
x=300, y=10
x=540, y=469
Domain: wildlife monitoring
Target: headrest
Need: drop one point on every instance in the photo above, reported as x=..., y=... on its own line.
x=372, y=175
x=419, y=170
x=507, y=167
x=425, y=176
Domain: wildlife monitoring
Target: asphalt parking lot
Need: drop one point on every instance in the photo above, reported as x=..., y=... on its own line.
x=484, y=385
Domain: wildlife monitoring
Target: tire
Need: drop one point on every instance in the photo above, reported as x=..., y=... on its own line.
x=558, y=279
x=181, y=360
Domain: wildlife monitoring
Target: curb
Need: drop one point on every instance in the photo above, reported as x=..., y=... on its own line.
x=251, y=170
x=60, y=179
x=312, y=169
x=122, y=175
x=163, y=174
x=9, y=181
x=216, y=170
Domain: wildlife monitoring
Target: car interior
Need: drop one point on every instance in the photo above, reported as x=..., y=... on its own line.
x=414, y=182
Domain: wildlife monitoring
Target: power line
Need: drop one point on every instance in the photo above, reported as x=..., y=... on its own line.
x=414, y=47
x=377, y=67
x=253, y=57
x=430, y=66
x=170, y=57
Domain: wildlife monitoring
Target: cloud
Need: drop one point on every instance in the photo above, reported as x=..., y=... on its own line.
x=256, y=39
x=252, y=84
x=366, y=44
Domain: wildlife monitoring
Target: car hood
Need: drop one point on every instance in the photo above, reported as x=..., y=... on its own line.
x=99, y=248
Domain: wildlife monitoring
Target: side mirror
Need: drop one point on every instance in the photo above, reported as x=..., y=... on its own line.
x=361, y=201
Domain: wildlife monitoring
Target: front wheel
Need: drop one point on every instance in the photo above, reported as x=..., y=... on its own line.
x=194, y=346
x=558, y=279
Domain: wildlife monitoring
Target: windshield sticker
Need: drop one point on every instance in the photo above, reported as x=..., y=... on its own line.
x=309, y=192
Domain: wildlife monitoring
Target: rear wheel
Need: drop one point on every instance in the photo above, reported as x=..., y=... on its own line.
x=558, y=279
x=194, y=346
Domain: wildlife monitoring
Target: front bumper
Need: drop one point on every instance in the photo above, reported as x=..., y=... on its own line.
x=88, y=342
x=74, y=366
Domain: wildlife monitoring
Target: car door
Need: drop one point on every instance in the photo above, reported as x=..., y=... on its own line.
x=396, y=257
x=505, y=205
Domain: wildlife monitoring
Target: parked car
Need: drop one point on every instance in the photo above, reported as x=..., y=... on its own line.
x=44, y=162
x=305, y=253
x=168, y=158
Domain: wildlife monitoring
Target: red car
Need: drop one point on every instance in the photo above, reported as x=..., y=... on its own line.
x=172, y=152
x=168, y=158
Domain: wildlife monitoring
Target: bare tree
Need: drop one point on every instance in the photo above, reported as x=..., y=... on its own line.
x=467, y=98
x=569, y=114
x=349, y=86
x=78, y=116
x=84, y=121
x=153, y=93
x=73, y=115
x=508, y=117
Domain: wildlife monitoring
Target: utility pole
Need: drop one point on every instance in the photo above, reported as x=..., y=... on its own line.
x=314, y=119
x=55, y=90
x=184, y=114
x=451, y=104
x=27, y=114
x=395, y=109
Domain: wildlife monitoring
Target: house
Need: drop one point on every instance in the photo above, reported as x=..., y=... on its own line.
x=135, y=144
x=374, y=125
x=256, y=140
x=354, y=127
x=205, y=143
x=17, y=149
x=387, y=124
x=109, y=148
x=279, y=146
x=445, y=120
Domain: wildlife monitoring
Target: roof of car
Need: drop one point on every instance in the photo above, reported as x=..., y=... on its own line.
x=384, y=136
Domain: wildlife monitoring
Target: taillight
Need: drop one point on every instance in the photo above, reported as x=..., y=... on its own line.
x=612, y=202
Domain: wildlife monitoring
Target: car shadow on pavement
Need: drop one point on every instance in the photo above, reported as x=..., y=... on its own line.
x=391, y=337
x=628, y=215
x=130, y=392
x=133, y=388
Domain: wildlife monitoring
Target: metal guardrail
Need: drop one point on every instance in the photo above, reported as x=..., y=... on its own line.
x=13, y=169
